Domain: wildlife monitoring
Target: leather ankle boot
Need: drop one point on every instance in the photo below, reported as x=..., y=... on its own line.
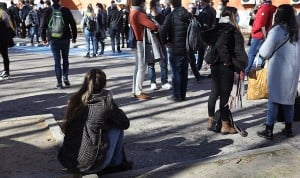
x=210, y=124
x=227, y=128
x=267, y=133
x=287, y=131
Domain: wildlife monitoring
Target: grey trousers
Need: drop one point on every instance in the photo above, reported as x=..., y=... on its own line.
x=139, y=69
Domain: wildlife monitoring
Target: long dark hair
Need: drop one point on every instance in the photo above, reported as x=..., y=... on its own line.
x=94, y=81
x=285, y=15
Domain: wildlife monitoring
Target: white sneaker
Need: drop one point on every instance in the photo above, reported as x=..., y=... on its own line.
x=153, y=86
x=166, y=86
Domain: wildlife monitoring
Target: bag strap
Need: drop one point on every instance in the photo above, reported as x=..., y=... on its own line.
x=242, y=132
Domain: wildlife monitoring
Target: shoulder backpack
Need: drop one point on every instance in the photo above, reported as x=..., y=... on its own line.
x=193, y=37
x=56, y=24
x=91, y=24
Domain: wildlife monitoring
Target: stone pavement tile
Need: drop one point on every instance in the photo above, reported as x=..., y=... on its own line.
x=276, y=161
x=27, y=149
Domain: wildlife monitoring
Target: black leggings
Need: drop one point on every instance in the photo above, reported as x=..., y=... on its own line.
x=222, y=82
x=4, y=53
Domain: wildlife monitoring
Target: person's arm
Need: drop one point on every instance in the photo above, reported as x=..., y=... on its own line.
x=145, y=21
x=44, y=24
x=268, y=47
x=164, y=29
x=72, y=25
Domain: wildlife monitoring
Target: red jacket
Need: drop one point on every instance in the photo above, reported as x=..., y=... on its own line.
x=138, y=21
x=263, y=18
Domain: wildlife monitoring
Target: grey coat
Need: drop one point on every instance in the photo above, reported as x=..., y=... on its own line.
x=283, y=67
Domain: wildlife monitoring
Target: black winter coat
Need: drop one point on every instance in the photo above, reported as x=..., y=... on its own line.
x=115, y=19
x=229, y=43
x=69, y=21
x=174, y=30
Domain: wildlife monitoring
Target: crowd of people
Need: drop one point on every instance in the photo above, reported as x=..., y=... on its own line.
x=94, y=124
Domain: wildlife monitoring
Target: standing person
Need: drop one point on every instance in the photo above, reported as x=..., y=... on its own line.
x=94, y=130
x=229, y=43
x=24, y=12
x=125, y=25
x=174, y=29
x=101, y=34
x=115, y=21
x=13, y=12
x=283, y=68
x=261, y=26
x=90, y=28
x=252, y=17
x=139, y=21
x=207, y=19
x=5, y=38
x=191, y=8
x=34, y=23
x=59, y=40
x=156, y=14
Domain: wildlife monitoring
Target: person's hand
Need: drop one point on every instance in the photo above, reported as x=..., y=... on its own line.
x=73, y=40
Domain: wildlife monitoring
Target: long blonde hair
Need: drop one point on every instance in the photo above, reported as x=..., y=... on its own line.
x=94, y=81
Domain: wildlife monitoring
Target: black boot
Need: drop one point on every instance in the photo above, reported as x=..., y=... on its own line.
x=118, y=49
x=267, y=133
x=287, y=131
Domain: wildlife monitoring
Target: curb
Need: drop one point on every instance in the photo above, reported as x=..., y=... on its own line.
x=55, y=129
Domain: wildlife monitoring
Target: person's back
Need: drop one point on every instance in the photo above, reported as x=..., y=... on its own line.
x=94, y=129
x=115, y=19
x=70, y=29
x=175, y=26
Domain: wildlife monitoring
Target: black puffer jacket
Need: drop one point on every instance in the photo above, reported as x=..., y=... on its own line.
x=174, y=30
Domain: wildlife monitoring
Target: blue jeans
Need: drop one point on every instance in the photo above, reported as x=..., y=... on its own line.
x=114, y=154
x=254, y=48
x=163, y=68
x=114, y=35
x=91, y=36
x=179, y=66
x=273, y=113
x=60, y=49
x=34, y=30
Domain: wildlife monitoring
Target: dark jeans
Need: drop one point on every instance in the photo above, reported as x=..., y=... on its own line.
x=34, y=30
x=179, y=66
x=124, y=35
x=200, y=59
x=163, y=68
x=4, y=53
x=192, y=61
x=114, y=35
x=60, y=49
x=222, y=81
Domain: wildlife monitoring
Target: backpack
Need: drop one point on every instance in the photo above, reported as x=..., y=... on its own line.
x=56, y=24
x=91, y=24
x=193, y=37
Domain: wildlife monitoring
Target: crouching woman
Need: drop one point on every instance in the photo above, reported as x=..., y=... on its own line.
x=93, y=128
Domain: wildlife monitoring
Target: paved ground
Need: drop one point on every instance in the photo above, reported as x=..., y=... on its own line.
x=161, y=132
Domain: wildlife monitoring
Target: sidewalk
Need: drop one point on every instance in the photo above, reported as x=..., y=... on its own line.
x=165, y=139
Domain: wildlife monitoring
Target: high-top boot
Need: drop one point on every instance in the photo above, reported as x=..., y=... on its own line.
x=118, y=49
x=287, y=131
x=227, y=128
x=267, y=133
x=210, y=124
